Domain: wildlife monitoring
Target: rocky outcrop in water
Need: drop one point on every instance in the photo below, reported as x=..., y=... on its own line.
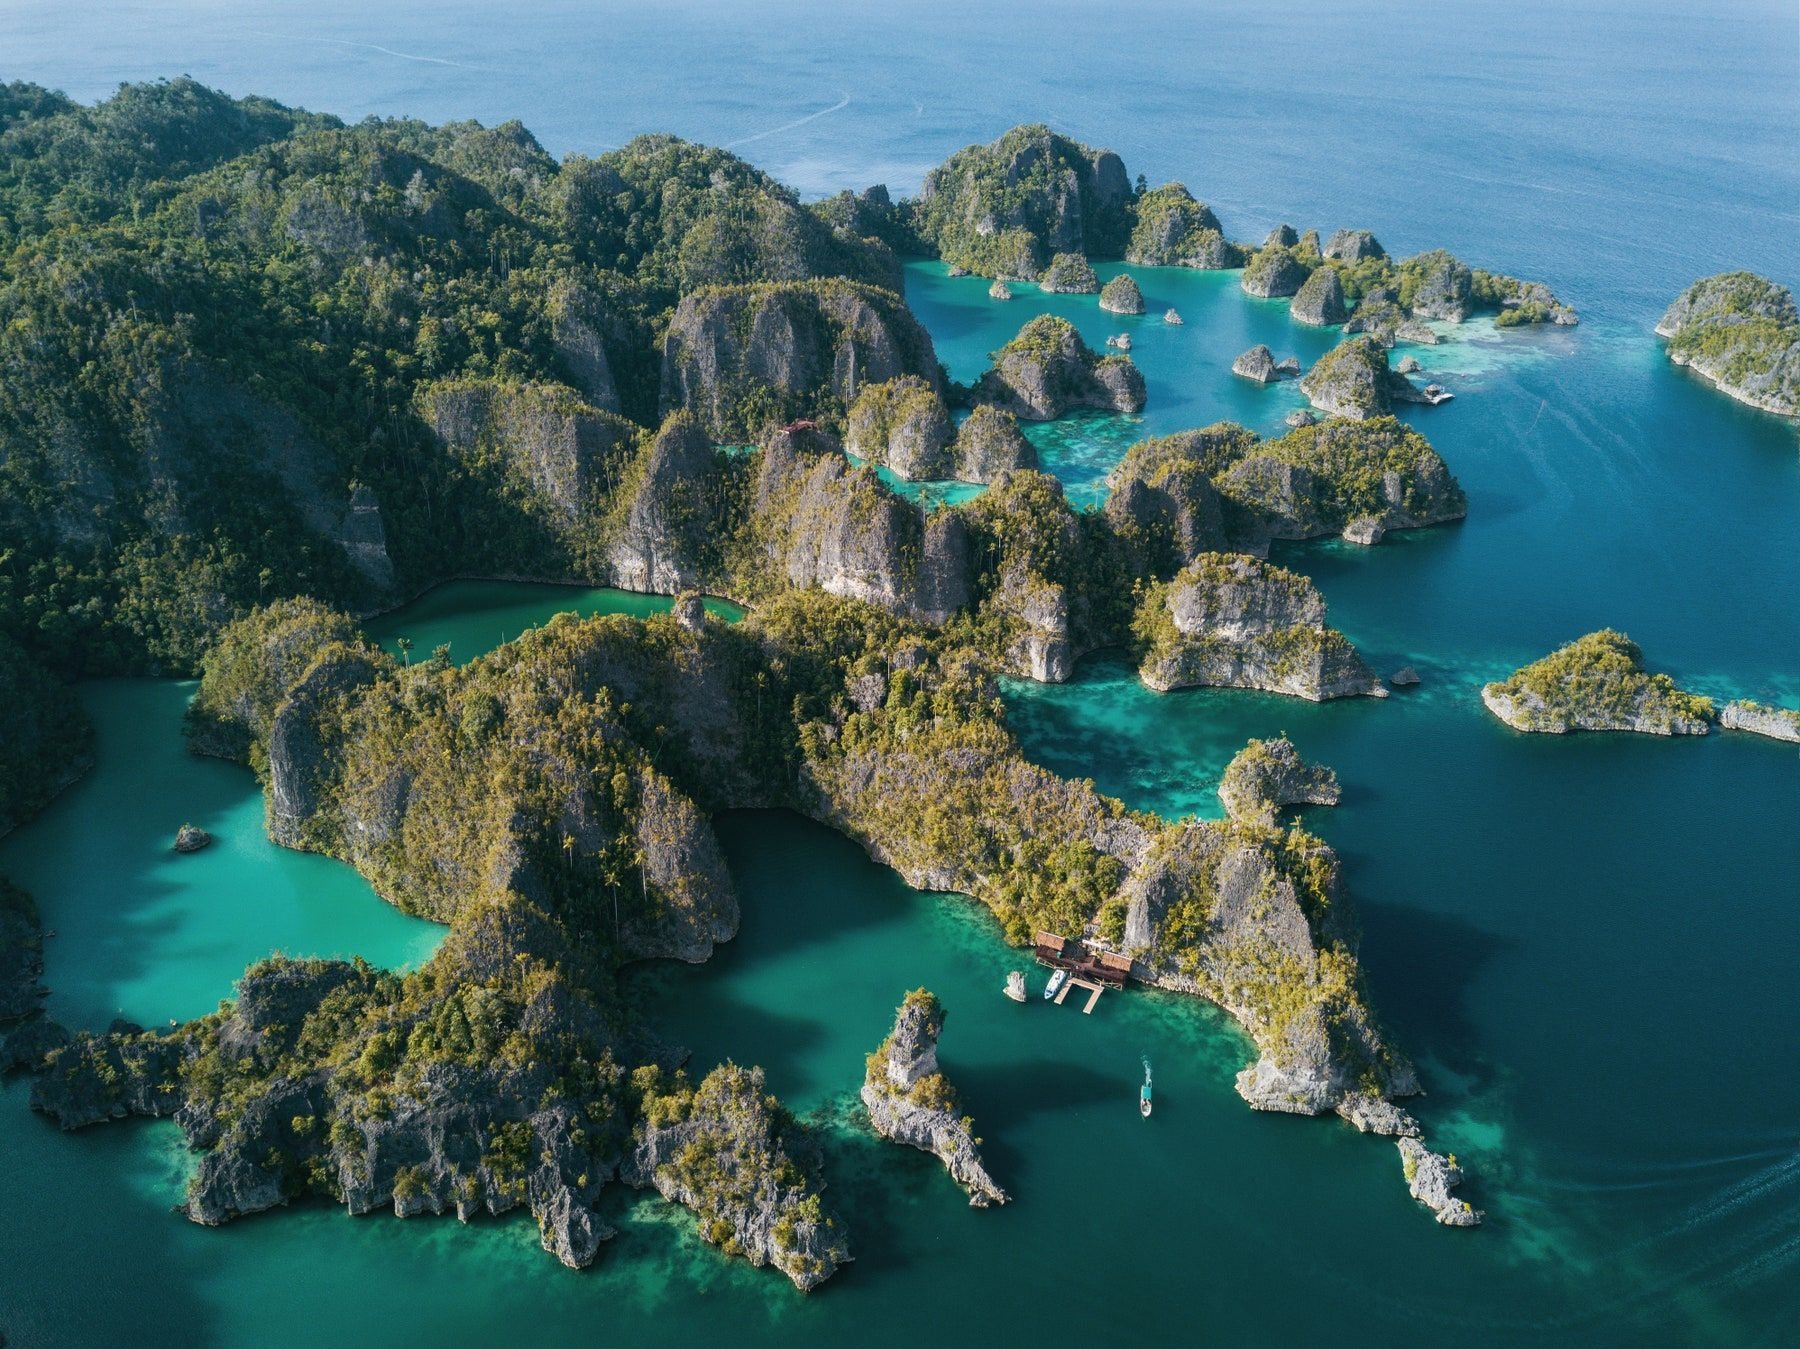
x=990, y=444
x=1258, y=363
x=1436, y=285
x=1353, y=246
x=1268, y=774
x=1004, y=209
x=1430, y=1177
x=1742, y=332
x=740, y=358
x=1274, y=272
x=1174, y=230
x=1282, y=236
x=903, y=424
x=727, y=1151
x=1122, y=296
x=1320, y=302
x=910, y=1101
x=191, y=838
x=1233, y=621
x=1069, y=274
x=1352, y=380
x=1047, y=370
x=1778, y=723
x=1596, y=683
x=1000, y=291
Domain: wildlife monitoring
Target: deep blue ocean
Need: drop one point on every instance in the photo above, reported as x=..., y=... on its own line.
x=1587, y=942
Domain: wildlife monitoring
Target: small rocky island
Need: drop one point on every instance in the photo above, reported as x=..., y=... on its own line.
x=1047, y=371
x=1267, y=774
x=1596, y=683
x=1233, y=621
x=1777, y=723
x=1742, y=332
x=911, y=1101
x=1122, y=296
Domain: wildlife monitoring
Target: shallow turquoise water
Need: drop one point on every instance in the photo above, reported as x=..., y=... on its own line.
x=1585, y=941
x=474, y=617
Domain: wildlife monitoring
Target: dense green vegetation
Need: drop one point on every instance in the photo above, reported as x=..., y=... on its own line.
x=221, y=317
x=1742, y=330
x=1597, y=682
x=47, y=739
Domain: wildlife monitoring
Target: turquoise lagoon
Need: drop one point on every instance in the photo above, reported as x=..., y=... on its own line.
x=1587, y=942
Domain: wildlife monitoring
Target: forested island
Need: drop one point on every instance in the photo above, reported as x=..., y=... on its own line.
x=263, y=373
x=1742, y=332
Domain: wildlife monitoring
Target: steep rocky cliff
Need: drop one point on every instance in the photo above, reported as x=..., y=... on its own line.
x=744, y=358
x=1174, y=230
x=1122, y=296
x=1004, y=209
x=1232, y=621
x=1069, y=274
x=1047, y=370
x=911, y=1101
x=821, y=524
x=1274, y=272
x=663, y=530
x=553, y=452
x=903, y=424
x=989, y=444
x=1320, y=301
x=1742, y=332
x=1778, y=723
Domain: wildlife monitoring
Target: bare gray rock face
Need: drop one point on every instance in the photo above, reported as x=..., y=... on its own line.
x=989, y=443
x=1320, y=302
x=1233, y=621
x=1430, y=1177
x=1353, y=246
x=1274, y=272
x=1047, y=370
x=736, y=355
x=1258, y=363
x=657, y=535
x=903, y=424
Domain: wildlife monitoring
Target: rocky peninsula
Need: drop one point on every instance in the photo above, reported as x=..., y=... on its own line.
x=1596, y=683
x=1742, y=332
x=910, y=1101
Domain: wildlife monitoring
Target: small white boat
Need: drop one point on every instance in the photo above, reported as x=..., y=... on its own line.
x=1144, y=1093
x=1015, y=986
x=1057, y=979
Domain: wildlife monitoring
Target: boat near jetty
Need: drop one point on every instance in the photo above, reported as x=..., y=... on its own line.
x=1057, y=979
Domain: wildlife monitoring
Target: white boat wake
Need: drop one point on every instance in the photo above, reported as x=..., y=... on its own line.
x=372, y=47
x=839, y=106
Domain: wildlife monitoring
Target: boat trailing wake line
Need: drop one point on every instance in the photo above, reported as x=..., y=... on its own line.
x=839, y=106
x=372, y=47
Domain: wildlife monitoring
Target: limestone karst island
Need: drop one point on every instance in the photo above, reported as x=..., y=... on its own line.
x=751, y=673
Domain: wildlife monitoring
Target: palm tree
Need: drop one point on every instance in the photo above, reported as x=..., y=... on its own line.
x=405, y=644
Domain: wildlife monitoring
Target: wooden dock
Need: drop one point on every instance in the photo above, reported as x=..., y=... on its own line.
x=1095, y=971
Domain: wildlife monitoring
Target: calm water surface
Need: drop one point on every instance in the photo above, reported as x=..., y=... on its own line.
x=1586, y=941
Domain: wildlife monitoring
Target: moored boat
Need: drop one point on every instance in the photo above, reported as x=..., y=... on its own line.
x=1057, y=979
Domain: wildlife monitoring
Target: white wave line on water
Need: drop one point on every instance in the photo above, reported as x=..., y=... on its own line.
x=839, y=106
x=373, y=47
